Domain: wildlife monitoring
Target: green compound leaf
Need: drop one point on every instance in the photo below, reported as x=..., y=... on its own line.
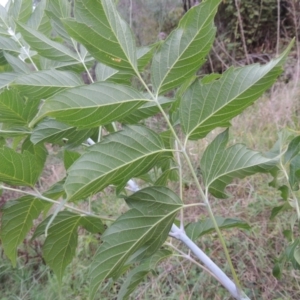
x=147, y=110
x=8, y=44
x=106, y=73
x=61, y=8
x=90, y=223
x=9, y=132
x=73, y=66
x=16, y=221
x=220, y=165
x=39, y=20
x=55, y=191
x=20, y=10
x=297, y=255
x=207, y=106
x=118, y=158
x=17, y=64
x=69, y=158
x=277, y=270
x=91, y=105
x=3, y=62
x=292, y=150
x=60, y=217
x=144, y=55
x=278, y=209
x=104, y=34
x=200, y=228
x=294, y=174
x=18, y=169
x=56, y=10
x=44, y=84
x=169, y=174
x=52, y=131
x=61, y=242
x=135, y=276
x=60, y=245
x=39, y=151
x=44, y=46
x=183, y=52
x=6, y=78
x=147, y=223
x=12, y=108
x=292, y=253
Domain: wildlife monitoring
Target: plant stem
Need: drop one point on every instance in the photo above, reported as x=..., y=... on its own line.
x=242, y=30
x=13, y=131
x=202, y=194
x=55, y=213
x=81, y=59
x=130, y=14
x=13, y=35
x=180, y=184
x=278, y=27
x=40, y=196
x=179, y=233
x=221, y=276
x=211, y=215
x=193, y=205
x=291, y=191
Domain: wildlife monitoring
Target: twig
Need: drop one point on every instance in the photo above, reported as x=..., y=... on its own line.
x=242, y=31
x=130, y=14
x=210, y=265
x=278, y=27
x=40, y=196
x=180, y=184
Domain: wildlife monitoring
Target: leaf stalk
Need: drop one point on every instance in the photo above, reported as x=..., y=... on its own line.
x=40, y=196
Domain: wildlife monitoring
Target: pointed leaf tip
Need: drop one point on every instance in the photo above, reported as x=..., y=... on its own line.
x=136, y=275
x=103, y=32
x=183, y=52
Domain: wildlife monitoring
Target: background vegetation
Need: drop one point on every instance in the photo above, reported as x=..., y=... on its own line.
x=248, y=31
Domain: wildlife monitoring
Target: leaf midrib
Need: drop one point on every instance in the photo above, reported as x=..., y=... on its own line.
x=139, y=240
x=13, y=111
x=64, y=249
x=49, y=42
x=157, y=152
x=27, y=214
x=110, y=29
x=230, y=101
x=239, y=169
x=88, y=107
x=184, y=50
